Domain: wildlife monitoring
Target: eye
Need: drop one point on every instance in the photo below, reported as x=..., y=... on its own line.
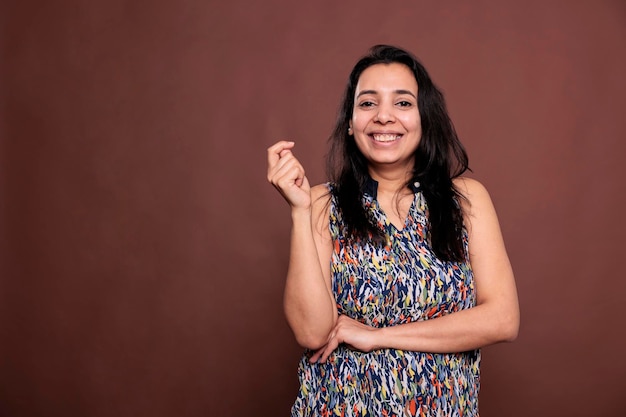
x=405, y=103
x=366, y=104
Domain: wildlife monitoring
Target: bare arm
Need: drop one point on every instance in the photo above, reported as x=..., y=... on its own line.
x=309, y=304
x=495, y=318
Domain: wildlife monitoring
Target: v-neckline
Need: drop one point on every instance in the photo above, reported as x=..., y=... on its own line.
x=407, y=218
x=371, y=188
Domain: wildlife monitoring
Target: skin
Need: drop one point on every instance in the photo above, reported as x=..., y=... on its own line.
x=385, y=103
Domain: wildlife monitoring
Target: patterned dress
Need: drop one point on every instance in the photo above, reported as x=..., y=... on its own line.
x=385, y=286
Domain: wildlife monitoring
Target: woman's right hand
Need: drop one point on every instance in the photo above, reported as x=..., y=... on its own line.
x=286, y=173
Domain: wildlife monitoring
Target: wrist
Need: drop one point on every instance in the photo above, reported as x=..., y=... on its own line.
x=300, y=213
x=379, y=338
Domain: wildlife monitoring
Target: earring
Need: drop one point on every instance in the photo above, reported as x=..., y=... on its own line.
x=350, y=131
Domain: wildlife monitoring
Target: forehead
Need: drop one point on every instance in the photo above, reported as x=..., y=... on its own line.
x=387, y=77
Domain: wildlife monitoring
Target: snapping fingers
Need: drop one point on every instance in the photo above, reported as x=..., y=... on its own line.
x=277, y=156
x=287, y=174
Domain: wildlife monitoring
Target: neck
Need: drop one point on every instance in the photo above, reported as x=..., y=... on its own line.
x=391, y=180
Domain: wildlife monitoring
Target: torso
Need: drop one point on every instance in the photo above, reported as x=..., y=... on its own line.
x=394, y=284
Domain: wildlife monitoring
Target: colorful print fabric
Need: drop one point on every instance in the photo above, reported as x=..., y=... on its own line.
x=386, y=286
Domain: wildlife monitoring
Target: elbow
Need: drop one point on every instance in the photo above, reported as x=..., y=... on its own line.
x=310, y=331
x=310, y=341
x=508, y=328
x=510, y=333
x=310, y=336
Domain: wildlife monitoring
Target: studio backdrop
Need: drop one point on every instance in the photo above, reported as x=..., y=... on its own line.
x=144, y=253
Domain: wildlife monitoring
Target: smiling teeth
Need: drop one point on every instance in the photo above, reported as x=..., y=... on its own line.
x=385, y=137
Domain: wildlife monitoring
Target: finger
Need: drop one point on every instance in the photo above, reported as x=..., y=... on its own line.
x=285, y=161
x=284, y=153
x=314, y=358
x=274, y=151
x=330, y=347
x=317, y=354
x=299, y=180
x=287, y=174
x=290, y=168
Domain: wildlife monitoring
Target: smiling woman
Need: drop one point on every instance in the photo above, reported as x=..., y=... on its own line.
x=398, y=274
x=386, y=121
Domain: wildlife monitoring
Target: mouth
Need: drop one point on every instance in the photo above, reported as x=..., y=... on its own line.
x=385, y=137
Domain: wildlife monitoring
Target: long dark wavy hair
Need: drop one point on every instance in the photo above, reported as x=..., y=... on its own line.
x=439, y=158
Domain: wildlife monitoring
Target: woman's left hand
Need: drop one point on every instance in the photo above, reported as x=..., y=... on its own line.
x=353, y=333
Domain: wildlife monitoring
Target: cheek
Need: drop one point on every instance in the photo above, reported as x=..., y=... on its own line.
x=412, y=122
x=358, y=122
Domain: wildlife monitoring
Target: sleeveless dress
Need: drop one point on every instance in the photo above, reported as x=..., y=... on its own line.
x=386, y=286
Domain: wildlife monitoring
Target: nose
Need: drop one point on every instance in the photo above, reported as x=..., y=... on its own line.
x=384, y=114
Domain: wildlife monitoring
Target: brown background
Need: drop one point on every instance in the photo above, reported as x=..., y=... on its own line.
x=143, y=253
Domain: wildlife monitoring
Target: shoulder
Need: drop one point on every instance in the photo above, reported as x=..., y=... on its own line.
x=476, y=203
x=474, y=195
x=470, y=188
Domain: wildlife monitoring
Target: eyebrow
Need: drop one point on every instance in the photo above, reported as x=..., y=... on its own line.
x=395, y=91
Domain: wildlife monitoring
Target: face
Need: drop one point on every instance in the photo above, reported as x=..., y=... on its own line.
x=386, y=122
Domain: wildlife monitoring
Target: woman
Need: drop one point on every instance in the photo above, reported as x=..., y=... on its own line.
x=398, y=273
